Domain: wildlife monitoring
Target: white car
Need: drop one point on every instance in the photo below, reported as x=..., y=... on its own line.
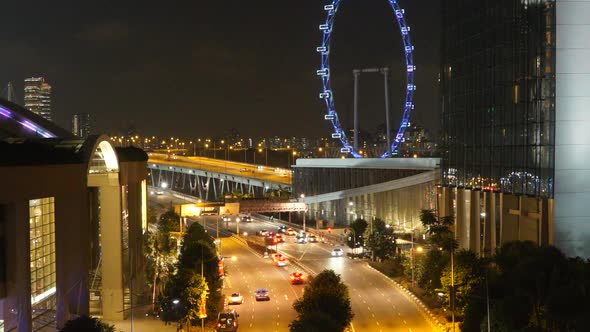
x=262, y=295
x=235, y=298
x=337, y=252
x=279, y=260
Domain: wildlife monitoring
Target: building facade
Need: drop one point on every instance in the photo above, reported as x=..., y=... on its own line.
x=338, y=191
x=81, y=125
x=71, y=224
x=509, y=122
x=38, y=97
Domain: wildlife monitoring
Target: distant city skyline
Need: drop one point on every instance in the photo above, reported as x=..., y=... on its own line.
x=204, y=68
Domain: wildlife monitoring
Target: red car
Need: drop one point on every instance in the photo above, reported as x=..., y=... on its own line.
x=297, y=278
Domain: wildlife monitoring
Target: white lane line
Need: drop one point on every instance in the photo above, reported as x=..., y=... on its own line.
x=352, y=327
x=399, y=314
x=373, y=315
x=286, y=297
x=377, y=323
x=410, y=330
x=405, y=322
x=250, y=324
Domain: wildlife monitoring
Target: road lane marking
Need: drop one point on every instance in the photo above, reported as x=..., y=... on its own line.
x=373, y=315
x=286, y=297
x=405, y=322
x=352, y=327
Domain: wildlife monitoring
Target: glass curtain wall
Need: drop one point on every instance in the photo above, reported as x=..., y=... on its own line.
x=42, y=252
x=498, y=95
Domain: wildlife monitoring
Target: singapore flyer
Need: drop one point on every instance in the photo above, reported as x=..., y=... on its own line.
x=328, y=97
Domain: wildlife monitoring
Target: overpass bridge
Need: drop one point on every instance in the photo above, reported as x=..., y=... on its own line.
x=210, y=179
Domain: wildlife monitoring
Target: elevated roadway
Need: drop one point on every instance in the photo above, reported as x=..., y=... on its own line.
x=209, y=178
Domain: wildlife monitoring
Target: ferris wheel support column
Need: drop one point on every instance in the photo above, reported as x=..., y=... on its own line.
x=385, y=72
x=356, y=73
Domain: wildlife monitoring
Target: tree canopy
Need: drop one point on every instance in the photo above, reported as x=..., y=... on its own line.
x=532, y=288
x=188, y=285
x=355, y=238
x=439, y=230
x=381, y=241
x=325, y=305
x=88, y=324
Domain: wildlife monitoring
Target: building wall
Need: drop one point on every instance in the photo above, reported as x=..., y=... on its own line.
x=65, y=183
x=399, y=207
x=572, y=137
x=485, y=220
x=73, y=235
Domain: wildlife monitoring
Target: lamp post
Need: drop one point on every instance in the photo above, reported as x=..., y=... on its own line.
x=302, y=197
x=452, y=297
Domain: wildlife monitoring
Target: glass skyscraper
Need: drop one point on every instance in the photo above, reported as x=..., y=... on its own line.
x=515, y=78
x=81, y=125
x=38, y=97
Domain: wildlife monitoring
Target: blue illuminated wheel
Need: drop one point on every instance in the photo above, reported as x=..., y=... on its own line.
x=327, y=95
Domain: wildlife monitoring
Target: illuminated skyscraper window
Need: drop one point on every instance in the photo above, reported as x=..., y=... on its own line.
x=38, y=97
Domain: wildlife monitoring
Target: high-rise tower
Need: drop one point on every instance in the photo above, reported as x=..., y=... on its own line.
x=81, y=125
x=515, y=100
x=38, y=97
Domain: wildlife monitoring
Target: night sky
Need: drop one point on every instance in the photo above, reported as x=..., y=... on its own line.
x=200, y=68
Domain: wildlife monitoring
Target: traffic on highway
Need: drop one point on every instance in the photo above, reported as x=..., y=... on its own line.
x=262, y=286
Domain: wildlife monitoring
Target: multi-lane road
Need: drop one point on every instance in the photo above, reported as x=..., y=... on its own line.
x=277, y=175
x=249, y=272
x=377, y=304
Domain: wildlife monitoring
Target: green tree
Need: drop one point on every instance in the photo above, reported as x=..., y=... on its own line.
x=429, y=268
x=355, y=236
x=325, y=305
x=87, y=324
x=467, y=276
x=169, y=222
x=381, y=241
x=439, y=230
x=198, y=247
x=160, y=248
x=187, y=288
x=532, y=288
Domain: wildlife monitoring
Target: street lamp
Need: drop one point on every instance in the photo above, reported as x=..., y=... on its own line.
x=302, y=197
x=412, y=259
